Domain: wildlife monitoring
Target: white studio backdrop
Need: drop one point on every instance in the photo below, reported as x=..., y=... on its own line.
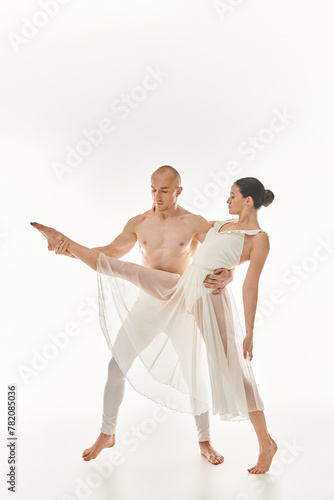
x=95, y=97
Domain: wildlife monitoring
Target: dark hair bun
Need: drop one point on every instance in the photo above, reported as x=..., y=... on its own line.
x=268, y=197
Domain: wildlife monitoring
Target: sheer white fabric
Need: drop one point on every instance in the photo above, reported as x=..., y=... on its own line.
x=175, y=342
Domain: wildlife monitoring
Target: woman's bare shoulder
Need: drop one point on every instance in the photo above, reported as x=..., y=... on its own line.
x=261, y=242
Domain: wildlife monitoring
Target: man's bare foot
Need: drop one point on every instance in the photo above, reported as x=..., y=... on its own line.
x=265, y=458
x=50, y=234
x=103, y=441
x=210, y=453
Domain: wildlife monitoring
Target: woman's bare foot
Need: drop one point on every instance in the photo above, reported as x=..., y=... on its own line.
x=103, y=441
x=210, y=453
x=50, y=234
x=266, y=456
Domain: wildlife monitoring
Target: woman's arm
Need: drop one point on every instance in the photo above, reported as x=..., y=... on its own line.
x=258, y=255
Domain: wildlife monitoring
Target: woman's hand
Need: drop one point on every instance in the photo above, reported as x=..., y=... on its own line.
x=248, y=347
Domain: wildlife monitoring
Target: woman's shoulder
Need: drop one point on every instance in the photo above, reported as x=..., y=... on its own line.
x=260, y=242
x=262, y=235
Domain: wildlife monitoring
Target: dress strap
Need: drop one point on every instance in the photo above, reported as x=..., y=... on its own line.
x=219, y=224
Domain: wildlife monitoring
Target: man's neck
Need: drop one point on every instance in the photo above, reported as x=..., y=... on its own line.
x=173, y=211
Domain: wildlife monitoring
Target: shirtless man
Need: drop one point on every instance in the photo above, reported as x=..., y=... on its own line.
x=168, y=237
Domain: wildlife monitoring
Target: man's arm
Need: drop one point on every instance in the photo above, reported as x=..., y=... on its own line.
x=221, y=277
x=202, y=227
x=121, y=245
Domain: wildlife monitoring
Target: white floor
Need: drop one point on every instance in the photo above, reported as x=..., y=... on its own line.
x=156, y=456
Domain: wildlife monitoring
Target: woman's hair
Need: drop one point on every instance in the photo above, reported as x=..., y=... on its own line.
x=249, y=186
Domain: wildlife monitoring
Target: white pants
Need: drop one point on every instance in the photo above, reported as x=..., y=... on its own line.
x=146, y=279
x=113, y=397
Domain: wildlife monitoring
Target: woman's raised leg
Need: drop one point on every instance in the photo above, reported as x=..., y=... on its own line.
x=85, y=254
x=159, y=284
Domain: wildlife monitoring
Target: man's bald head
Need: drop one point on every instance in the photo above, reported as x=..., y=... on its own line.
x=171, y=172
x=165, y=188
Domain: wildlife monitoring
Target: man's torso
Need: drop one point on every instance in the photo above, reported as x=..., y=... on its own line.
x=169, y=244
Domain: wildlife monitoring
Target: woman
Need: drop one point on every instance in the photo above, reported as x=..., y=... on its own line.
x=196, y=358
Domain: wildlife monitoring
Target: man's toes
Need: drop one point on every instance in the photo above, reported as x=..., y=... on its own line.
x=216, y=460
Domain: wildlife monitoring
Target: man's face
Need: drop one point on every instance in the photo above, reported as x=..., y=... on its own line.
x=164, y=191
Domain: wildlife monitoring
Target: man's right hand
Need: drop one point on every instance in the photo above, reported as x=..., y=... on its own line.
x=61, y=249
x=219, y=279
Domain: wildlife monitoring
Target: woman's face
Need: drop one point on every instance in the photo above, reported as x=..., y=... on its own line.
x=236, y=201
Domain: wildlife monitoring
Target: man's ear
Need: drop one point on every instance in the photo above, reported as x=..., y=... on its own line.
x=179, y=191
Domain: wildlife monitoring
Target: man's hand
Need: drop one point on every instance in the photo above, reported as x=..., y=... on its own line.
x=219, y=279
x=52, y=235
x=61, y=249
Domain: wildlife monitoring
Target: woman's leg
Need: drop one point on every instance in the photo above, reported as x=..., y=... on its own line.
x=224, y=324
x=85, y=254
x=267, y=445
x=159, y=284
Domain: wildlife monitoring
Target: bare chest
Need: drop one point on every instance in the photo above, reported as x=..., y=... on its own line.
x=165, y=234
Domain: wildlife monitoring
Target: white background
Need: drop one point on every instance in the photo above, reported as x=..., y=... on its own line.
x=228, y=68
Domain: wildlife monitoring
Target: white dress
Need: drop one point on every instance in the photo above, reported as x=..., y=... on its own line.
x=178, y=344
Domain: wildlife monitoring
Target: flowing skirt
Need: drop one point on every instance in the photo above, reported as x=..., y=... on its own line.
x=175, y=342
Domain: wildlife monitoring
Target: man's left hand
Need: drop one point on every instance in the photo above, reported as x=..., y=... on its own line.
x=219, y=279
